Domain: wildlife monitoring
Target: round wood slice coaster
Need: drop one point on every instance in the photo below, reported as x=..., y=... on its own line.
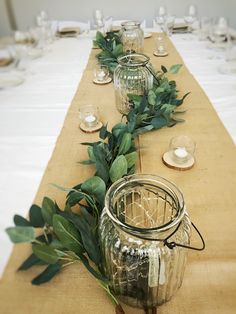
x=158, y=54
x=107, y=81
x=167, y=160
x=85, y=129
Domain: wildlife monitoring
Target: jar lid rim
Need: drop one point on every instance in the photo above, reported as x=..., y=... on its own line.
x=130, y=23
x=129, y=60
x=132, y=229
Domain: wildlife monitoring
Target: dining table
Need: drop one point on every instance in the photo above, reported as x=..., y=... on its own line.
x=40, y=144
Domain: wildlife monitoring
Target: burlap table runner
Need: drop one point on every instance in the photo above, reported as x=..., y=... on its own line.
x=209, y=188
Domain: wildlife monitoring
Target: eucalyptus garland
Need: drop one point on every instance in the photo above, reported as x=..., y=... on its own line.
x=68, y=237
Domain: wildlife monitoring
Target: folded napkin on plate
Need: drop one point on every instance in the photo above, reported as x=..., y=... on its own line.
x=72, y=27
x=68, y=28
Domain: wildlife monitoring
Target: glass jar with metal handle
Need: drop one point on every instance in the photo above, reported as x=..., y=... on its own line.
x=131, y=76
x=144, y=232
x=132, y=36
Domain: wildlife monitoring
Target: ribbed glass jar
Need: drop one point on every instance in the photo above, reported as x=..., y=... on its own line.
x=131, y=76
x=139, y=210
x=132, y=36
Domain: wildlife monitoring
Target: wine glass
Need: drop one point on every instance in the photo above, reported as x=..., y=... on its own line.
x=161, y=17
x=190, y=16
x=99, y=19
x=169, y=24
x=219, y=33
x=205, y=27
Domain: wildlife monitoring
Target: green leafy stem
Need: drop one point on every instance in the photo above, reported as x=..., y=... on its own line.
x=69, y=236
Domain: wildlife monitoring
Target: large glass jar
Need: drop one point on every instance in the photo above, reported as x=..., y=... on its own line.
x=132, y=37
x=142, y=213
x=131, y=76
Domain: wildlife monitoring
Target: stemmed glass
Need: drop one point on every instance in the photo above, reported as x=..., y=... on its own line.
x=219, y=36
x=161, y=17
x=205, y=27
x=99, y=19
x=190, y=17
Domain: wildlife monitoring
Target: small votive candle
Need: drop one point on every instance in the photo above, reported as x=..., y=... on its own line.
x=89, y=116
x=182, y=149
x=160, y=45
x=101, y=73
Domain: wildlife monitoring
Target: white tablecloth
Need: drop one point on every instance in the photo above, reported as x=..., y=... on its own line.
x=32, y=114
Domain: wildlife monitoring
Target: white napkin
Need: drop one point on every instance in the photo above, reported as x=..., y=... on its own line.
x=73, y=26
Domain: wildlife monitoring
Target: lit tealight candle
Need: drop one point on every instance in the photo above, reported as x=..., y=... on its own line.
x=161, y=49
x=90, y=119
x=180, y=154
x=101, y=75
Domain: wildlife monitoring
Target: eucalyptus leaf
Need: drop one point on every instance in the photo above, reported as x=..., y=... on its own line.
x=89, y=238
x=67, y=234
x=151, y=97
x=21, y=221
x=74, y=198
x=118, y=129
x=102, y=169
x=125, y=143
x=144, y=129
x=174, y=69
x=45, y=253
x=32, y=260
x=48, y=210
x=131, y=159
x=164, y=69
x=158, y=122
x=47, y=274
x=36, y=217
x=118, y=50
x=118, y=168
x=96, y=187
x=103, y=133
x=20, y=234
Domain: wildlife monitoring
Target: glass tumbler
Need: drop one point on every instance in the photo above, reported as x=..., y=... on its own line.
x=141, y=213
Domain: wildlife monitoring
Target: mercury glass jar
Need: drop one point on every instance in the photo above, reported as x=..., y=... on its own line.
x=131, y=76
x=143, y=215
x=132, y=36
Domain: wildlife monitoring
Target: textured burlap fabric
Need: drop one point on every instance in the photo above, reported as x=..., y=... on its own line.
x=209, y=188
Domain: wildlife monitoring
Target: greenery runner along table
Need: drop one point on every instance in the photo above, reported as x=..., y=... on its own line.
x=209, y=189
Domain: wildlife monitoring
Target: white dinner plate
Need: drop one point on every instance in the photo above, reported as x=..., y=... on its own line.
x=10, y=79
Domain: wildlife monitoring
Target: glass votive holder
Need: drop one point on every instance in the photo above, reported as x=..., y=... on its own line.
x=101, y=74
x=160, y=47
x=180, y=155
x=89, y=117
x=182, y=148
